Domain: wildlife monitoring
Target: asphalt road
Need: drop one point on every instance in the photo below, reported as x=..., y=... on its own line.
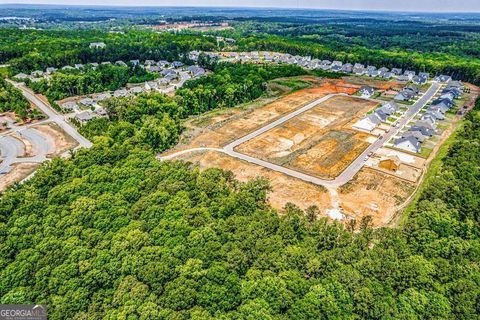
x=54, y=116
x=347, y=174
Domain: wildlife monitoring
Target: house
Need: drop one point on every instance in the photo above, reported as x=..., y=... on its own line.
x=410, y=74
x=367, y=123
x=371, y=68
x=150, y=62
x=94, y=65
x=443, y=78
x=337, y=63
x=425, y=75
x=37, y=73
x=423, y=130
x=87, y=102
x=51, y=70
x=230, y=40
x=79, y=66
x=373, y=73
x=151, y=85
x=136, y=90
x=381, y=115
x=120, y=93
x=359, y=71
x=396, y=71
x=120, y=63
x=103, y=96
x=389, y=108
x=429, y=124
x=106, y=63
x=150, y=68
x=417, y=134
x=358, y=65
x=388, y=75
x=97, y=45
x=21, y=76
x=366, y=91
x=135, y=62
x=163, y=64
x=336, y=68
x=383, y=70
x=427, y=116
x=84, y=116
x=69, y=106
x=177, y=64
x=409, y=143
x=419, y=80
x=403, y=96
x=347, y=68
x=167, y=72
x=403, y=78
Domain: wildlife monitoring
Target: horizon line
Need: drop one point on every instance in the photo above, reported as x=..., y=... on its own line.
x=234, y=7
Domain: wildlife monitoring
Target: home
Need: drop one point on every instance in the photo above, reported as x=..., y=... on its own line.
x=97, y=45
x=373, y=73
x=370, y=68
x=403, y=96
x=120, y=93
x=347, y=68
x=403, y=78
x=37, y=73
x=337, y=63
x=21, y=76
x=417, y=134
x=135, y=62
x=193, y=55
x=366, y=91
x=381, y=115
x=419, y=80
x=177, y=64
x=136, y=90
x=163, y=64
x=358, y=65
x=389, y=108
x=150, y=62
x=396, y=71
x=151, y=85
x=423, y=130
x=359, y=71
x=69, y=106
x=408, y=143
x=120, y=63
x=336, y=68
x=105, y=63
x=84, y=116
x=429, y=124
x=167, y=72
x=443, y=78
x=87, y=102
x=392, y=163
x=367, y=123
x=230, y=40
x=383, y=70
x=388, y=75
x=427, y=116
x=94, y=65
x=103, y=96
x=152, y=68
x=425, y=75
x=79, y=66
x=51, y=70
x=410, y=74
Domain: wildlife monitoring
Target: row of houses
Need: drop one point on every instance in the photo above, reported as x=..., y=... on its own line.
x=381, y=114
x=169, y=70
x=425, y=127
x=326, y=65
x=407, y=93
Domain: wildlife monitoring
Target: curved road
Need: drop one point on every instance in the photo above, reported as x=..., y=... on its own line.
x=347, y=174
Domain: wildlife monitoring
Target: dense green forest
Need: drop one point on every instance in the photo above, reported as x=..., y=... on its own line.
x=154, y=120
x=11, y=99
x=114, y=233
x=67, y=83
x=28, y=50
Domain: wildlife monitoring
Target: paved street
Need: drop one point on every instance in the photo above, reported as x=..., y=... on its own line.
x=347, y=174
x=12, y=149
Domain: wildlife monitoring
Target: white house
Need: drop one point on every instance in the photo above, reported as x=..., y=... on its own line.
x=367, y=123
x=409, y=143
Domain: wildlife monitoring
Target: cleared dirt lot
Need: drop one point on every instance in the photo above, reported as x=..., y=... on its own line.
x=284, y=188
x=228, y=125
x=59, y=138
x=318, y=142
x=374, y=193
x=19, y=172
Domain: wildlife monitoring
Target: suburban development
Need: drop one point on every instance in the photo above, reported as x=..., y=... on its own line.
x=240, y=163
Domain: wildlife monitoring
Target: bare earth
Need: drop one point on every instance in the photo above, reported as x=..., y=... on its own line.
x=18, y=173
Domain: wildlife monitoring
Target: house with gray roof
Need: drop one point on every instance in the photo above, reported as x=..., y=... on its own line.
x=366, y=91
x=408, y=143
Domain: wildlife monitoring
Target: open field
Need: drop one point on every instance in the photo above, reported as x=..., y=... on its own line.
x=318, y=142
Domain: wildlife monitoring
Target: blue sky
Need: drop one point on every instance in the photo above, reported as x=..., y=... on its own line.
x=394, y=5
